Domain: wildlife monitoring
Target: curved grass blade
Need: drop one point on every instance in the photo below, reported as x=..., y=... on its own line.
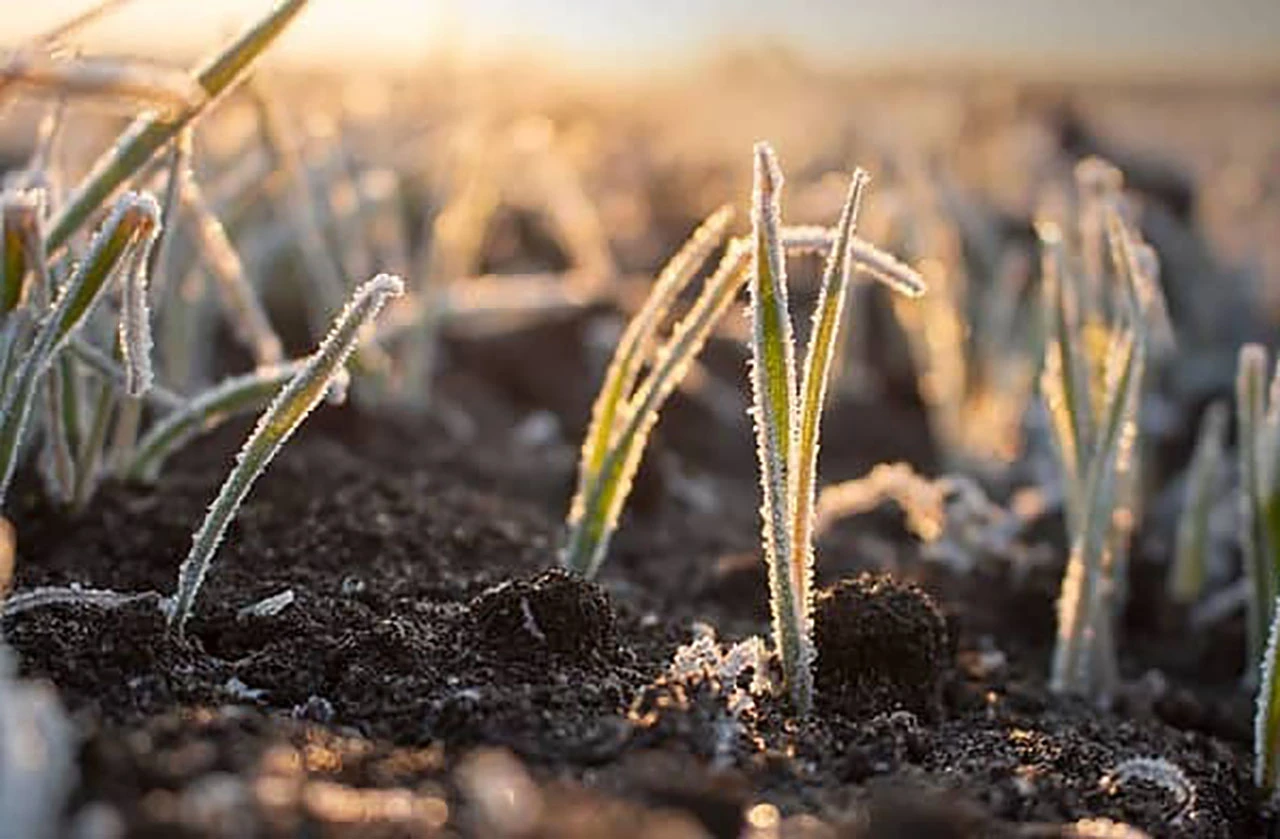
x=95, y=77
x=824, y=334
x=282, y=417
x=237, y=296
x=150, y=132
x=208, y=410
x=605, y=495
x=635, y=347
x=127, y=235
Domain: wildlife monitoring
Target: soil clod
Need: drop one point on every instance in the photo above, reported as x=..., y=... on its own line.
x=882, y=646
x=556, y=612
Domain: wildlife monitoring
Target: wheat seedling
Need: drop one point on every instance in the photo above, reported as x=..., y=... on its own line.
x=1095, y=431
x=122, y=244
x=625, y=413
x=788, y=413
x=282, y=417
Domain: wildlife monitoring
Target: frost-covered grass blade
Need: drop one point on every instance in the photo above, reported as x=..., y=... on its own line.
x=125, y=238
x=276, y=425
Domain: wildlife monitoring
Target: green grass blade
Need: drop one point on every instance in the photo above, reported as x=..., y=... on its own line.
x=604, y=497
x=276, y=425
x=773, y=386
x=129, y=231
x=237, y=296
x=1065, y=378
x=205, y=412
x=1266, y=731
x=827, y=317
x=1191, y=552
x=1083, y=604
x=635, y=347
x=150, y=132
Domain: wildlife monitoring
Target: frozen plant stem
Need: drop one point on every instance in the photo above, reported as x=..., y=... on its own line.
x=788, y=413
x=283, y=416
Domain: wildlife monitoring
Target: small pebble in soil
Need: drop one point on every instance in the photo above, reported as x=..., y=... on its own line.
x=555, y=612
x=881, y=646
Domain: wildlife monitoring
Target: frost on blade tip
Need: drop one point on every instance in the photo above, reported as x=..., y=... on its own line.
x=135, y=321
x=274, y=428
x=128, y=229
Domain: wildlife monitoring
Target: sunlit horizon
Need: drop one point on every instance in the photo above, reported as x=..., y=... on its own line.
x=1149, y=38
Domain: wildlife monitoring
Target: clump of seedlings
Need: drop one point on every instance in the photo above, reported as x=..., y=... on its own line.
x=1096, y=349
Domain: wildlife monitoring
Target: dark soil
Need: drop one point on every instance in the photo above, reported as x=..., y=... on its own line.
x=432, y=674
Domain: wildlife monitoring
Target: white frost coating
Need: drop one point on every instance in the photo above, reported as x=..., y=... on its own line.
x=135, y=321
x=38, y=598
x=268, y=607
x=1266, y=720
x=881, y=265
x=276, y=425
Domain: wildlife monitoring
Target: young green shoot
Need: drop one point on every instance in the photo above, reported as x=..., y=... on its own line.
x=636, y=346
x=276, y=425
x=788, y=412
x=624, y=414
x=1095, y=430
x=125, y=238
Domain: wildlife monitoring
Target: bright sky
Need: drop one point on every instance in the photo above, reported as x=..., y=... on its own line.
x=1155, y=35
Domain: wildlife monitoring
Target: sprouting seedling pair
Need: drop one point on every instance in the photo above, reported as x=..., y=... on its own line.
x=788, y=410
x=627, y=406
